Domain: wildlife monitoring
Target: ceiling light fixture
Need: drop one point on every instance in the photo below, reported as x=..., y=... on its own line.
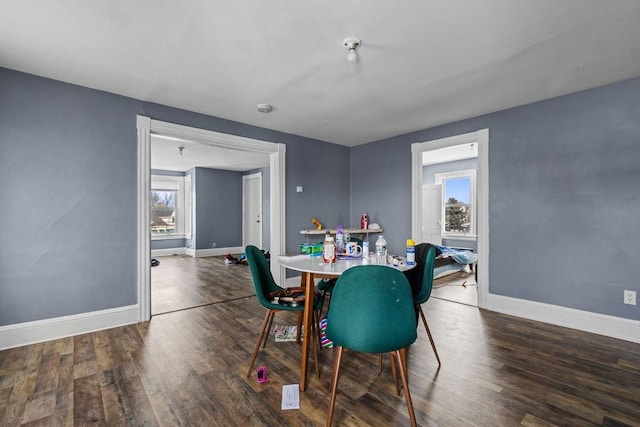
x=181, y=149
x=352, y=44
x=265, y=108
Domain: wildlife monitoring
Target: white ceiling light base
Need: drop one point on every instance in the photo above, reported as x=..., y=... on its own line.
x=352, y=44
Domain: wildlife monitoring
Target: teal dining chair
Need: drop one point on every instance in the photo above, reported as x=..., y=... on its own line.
x=265, y=285
x=421, y=280
x=372, y=312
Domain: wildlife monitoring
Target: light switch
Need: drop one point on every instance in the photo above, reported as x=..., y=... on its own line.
x=299, y=188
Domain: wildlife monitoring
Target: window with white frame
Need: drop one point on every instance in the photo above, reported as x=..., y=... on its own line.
x=458, y=202
x=170, y=210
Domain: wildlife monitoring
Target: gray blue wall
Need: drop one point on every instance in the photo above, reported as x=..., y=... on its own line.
x=323, y=172
x=381, y=186
x=563, y=196
x=218, y=204
x=68, y=185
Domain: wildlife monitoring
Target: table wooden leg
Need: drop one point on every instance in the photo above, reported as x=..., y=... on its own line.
x=308, y=318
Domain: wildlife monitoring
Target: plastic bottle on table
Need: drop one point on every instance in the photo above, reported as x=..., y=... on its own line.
x=381, y=249
x=329, y=250
x=411, y=252
x=340, y=240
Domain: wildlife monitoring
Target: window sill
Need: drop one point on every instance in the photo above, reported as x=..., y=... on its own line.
x=172, y=236
x=470, y=237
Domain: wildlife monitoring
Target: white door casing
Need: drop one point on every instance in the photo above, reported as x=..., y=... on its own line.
x=482, y=197
x=276, y=151
x=252, y=210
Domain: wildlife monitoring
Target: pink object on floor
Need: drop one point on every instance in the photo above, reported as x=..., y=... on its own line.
x=262, y=375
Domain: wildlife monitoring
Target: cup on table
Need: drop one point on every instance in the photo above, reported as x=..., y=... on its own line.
x=353, y=249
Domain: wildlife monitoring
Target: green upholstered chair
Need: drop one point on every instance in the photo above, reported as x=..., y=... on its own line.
x=372, y=311
x=425, y=261
x=265, y=285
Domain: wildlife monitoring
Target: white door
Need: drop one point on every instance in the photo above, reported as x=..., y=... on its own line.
x=431, y=214
x=252, y=210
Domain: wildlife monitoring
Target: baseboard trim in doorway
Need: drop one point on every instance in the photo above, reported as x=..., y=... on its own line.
x=200, y=253
x=65, y=326
x=168, y=252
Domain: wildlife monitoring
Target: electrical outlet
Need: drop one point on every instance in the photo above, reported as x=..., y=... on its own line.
x=630, y=297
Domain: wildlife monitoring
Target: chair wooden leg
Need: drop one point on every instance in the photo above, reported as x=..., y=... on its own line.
x=394, y=372
x=267, y=316
x=316, y=342
x=272, y=314
x=299, y=327
x=327, y=297
x=319, y=312
x=319, y=337
x=404, y=360
x=426, y=327
x=337, y=355
x=401, y=358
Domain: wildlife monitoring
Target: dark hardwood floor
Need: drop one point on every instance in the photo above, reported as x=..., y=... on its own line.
x=188, y=367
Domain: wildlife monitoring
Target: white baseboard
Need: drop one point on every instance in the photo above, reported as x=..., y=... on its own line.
x=602, y=324
x=60, y=327
x=168, y=252
x=49, y=329
x=198, y=253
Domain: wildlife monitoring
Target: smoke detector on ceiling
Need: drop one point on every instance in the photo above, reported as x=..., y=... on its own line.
x=265, y=108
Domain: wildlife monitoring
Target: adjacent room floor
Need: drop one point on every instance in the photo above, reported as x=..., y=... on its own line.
x=457, y=287
x=182, y=282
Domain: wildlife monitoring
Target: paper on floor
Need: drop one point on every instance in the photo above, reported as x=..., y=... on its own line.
x=290, y=396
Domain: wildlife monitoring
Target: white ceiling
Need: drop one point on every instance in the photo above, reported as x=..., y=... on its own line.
x=166, y=156
x=422, y=62
x=450, y=154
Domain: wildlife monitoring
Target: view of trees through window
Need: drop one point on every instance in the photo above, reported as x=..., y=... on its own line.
x=163, y=211
x=457, y=208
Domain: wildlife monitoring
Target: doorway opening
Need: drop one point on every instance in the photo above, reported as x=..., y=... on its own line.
x=456, y=217
x=244, y=146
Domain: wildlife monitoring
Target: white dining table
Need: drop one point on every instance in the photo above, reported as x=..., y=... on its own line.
x=312, y=267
